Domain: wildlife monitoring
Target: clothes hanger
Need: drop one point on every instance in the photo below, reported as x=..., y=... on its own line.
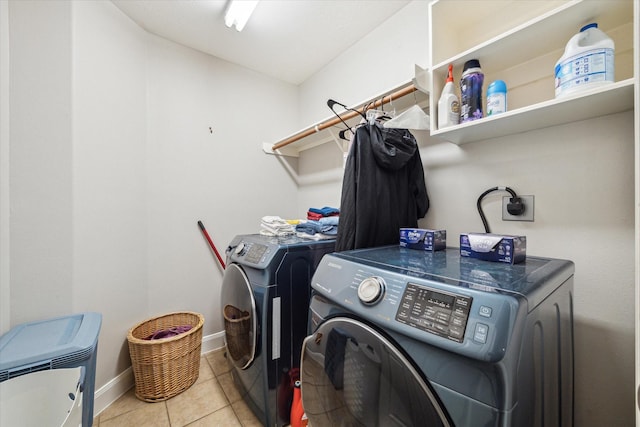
x=342, y=134
x=379, y=115
x=413, y=118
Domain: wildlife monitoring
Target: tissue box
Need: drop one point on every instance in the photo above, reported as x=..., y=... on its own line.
x=494, y=247
x=424, y=240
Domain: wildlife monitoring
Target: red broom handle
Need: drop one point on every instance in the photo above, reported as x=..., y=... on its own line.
x=204, y=230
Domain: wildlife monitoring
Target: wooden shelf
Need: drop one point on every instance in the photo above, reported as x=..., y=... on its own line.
x=602, y=101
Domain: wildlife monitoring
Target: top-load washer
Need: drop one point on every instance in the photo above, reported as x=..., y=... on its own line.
x=401, y=337
x=265, y=302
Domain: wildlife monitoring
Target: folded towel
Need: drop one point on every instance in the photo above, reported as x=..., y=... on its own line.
x=274, y=221
x=314, y=216
x=330, y=220
x=277, y=231
x=313, y=227
x=275, y=226
x=317, y=236
x=325, y=211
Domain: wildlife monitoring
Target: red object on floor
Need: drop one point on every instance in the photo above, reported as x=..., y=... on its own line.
x=297, y=411
x=296, y=407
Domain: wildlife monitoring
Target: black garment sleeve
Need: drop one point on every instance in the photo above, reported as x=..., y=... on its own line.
x=419, y=189
x=345, y=239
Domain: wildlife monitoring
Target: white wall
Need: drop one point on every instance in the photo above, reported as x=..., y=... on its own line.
x=381, y=57
x=582, y=177
x=41, y=160
x=5, y=283
x=112, y=165
x=109, y=176
x=381, y=61
x=221, y=178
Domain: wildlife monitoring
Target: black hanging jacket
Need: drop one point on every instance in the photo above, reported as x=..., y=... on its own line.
x=383, y=188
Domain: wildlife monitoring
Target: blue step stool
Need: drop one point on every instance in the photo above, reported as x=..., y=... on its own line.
x=62, y=342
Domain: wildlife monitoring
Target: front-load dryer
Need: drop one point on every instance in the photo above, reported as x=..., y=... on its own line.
x=265, y=302
x=401, y=337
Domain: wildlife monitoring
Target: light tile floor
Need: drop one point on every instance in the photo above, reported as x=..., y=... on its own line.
x=211, y=401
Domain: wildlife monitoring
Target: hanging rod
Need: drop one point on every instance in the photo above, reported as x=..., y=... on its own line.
x=345, y=116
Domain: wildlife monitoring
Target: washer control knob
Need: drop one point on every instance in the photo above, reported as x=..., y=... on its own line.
x=371, y=290
x=240, y=249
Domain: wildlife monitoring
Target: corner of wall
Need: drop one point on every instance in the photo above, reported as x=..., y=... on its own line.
x=5, y=288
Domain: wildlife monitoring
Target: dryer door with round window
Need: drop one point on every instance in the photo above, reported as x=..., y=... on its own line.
x=354, y=375
x=240, y=319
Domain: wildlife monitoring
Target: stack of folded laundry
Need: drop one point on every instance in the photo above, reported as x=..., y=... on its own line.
x=324, y=228
x=275, y=226
x=315, y=214
x=322, y=223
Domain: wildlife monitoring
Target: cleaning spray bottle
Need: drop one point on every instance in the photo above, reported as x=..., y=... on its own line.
x=448, y=104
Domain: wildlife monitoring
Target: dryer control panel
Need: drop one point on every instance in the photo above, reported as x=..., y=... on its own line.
x=253, y=253
x=442, y=313
x=260, y=252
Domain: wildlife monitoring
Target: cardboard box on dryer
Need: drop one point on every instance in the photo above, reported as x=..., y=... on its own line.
x=494, y=247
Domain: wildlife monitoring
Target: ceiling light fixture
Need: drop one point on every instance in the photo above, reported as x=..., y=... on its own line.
x=238, y=13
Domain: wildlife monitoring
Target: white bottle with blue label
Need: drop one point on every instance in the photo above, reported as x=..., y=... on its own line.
x=587, y=62
x=496, y=98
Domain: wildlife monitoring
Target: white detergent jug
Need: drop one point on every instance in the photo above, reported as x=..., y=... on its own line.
x=587, y=61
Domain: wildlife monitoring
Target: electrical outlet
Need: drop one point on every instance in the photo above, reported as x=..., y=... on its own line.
x=529, y=204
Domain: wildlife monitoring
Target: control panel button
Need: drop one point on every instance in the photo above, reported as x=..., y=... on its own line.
x=370, y=290
x=481, y=333
x=240, y=248
x=485, y=311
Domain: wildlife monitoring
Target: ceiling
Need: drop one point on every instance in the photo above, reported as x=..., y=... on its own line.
x=286, y=39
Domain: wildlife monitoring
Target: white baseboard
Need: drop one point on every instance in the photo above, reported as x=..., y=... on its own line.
x=112, y=390
x=212, y=342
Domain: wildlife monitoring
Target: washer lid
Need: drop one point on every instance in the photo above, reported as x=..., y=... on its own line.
x=354, y=375
x=449, y=267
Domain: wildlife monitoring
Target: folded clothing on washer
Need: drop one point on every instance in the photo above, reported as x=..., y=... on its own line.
x=328, y=225
x=317, y=213
x=275, y=226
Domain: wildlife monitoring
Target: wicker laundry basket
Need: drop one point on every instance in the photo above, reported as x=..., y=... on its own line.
x=237, y=328
x=163, y=368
